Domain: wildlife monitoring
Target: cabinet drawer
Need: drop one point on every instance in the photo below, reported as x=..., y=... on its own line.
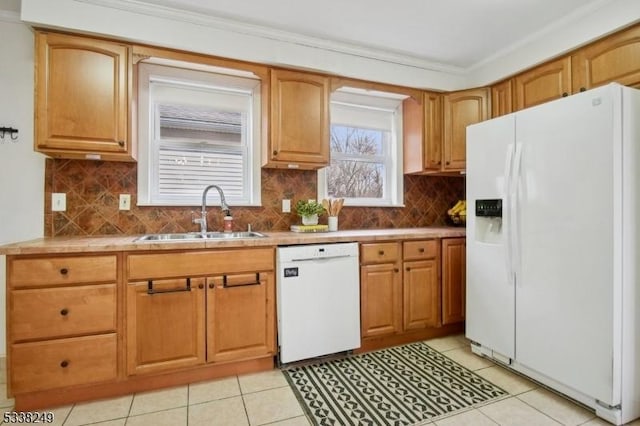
x=59, y=312
x=379, y=252
x=190, y=264
x=65, y=362
x=48, y=271
x=425, y=249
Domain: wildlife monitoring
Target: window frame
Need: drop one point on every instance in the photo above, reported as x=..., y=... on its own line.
x=228, y=80
x=393, y=186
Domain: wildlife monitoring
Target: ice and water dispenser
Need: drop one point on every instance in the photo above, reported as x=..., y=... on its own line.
x=488, y=220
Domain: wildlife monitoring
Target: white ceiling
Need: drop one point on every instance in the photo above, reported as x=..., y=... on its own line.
x=454, y=34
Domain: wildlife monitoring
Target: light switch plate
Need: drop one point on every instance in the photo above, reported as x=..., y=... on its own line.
x=286, y=206
x=58, y=202
x=125, y=202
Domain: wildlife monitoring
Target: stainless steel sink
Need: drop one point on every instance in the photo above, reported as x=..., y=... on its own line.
x=191, y=236
x=232, y=235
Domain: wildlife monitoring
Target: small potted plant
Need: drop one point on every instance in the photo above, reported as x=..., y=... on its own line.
x=309, y=211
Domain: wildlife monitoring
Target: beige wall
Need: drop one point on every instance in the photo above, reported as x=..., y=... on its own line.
x=21, y=169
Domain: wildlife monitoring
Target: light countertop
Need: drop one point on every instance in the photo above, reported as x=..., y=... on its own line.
x=85, y=244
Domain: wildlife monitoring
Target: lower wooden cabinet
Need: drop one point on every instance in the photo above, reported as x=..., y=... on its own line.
x=453, y=280
x=165, y=324
x=61, y=321
x=380, y=299
x=50, y=364
x=399, y=287
x=421, y=284
x=421, y=289
x=240, y=316
x=222, y=309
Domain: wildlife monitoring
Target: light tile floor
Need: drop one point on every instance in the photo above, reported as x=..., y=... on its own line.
x=266, y=399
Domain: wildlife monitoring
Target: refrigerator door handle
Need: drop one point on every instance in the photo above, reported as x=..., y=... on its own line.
x=506, y=213
x=514, y=211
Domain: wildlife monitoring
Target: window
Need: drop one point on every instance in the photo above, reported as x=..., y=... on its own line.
x=366, y=149
x=197, y=128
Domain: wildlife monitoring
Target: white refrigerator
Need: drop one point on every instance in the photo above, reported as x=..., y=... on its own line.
x=553, y=228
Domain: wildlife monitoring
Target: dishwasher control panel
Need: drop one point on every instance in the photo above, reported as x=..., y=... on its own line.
x=317, y=251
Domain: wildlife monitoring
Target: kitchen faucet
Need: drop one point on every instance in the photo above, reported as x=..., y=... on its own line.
x=202, y=220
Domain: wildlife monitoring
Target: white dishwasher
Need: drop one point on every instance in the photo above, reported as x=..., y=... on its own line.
x=318, y=299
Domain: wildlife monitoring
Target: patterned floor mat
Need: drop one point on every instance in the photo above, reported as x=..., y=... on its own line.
x=403, y=385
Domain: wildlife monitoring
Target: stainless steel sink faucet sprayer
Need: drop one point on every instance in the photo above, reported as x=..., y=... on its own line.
x=202, y=220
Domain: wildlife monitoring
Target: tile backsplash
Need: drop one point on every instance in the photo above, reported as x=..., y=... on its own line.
x=93, y=189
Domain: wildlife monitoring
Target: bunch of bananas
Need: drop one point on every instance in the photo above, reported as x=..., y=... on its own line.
x=458, y=213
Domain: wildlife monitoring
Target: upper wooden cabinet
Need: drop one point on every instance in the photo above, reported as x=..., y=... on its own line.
x=544, y=83
x=615, y=58
x=422, y=133
x=82, y=97
x=299, y=121
x=502, y=98
x=460, y=110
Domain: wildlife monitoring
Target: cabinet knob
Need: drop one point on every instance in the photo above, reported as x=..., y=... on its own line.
x=64, y=312
x=211, y=286
x=64, y=271
x=448, y=162
x=275, y=152
x=64, y=364
x=407, y=269
x=439, y=162
x=583, y=89
x=421, y=249
x=200, y=285
x=396, y=270
x=380, y=252
x=565, y=94
x=120, y=143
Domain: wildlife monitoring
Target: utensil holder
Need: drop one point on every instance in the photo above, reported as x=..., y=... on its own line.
x=332, y=221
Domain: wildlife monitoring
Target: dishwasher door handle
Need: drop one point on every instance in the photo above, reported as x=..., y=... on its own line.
x=309, y=259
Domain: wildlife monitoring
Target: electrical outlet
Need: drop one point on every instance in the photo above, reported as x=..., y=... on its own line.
x=125, y=201
x=58, y=202
x=286, y=206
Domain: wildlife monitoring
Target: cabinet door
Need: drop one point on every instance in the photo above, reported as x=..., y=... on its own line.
x=544, y=83
x=165, y=327
x=453, y=280
x=502, y=98
x=81, y=97
x=381, y=302
x=299, y=119
x=421, y=290
x=240, y=316
x=422, y=133
x=460, y=110
x=615, y=58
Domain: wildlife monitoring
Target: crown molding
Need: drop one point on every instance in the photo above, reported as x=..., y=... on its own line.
x=226, y=24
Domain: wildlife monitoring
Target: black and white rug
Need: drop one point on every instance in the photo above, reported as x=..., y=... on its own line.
x=403, y=385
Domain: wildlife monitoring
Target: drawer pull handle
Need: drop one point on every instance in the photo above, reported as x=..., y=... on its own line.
x=64, y=312
x=151, y=290
x=381, y=252
x=421, y=250
x=64, y=364
x=64, y=271
x=256, y=282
